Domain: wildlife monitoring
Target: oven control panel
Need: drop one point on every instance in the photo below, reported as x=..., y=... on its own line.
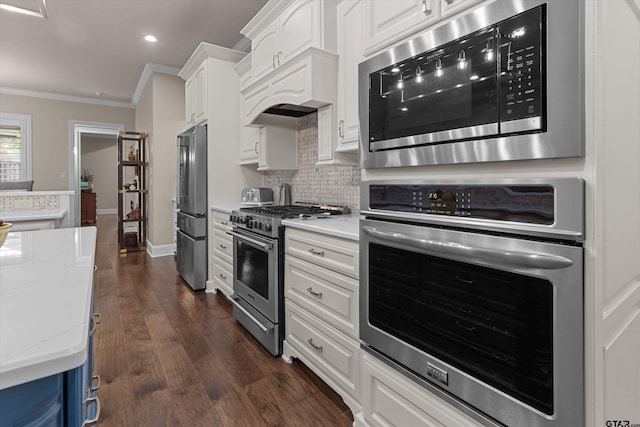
x=520, y=203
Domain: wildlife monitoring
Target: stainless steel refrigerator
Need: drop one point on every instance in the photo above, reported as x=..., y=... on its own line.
x=191, y=254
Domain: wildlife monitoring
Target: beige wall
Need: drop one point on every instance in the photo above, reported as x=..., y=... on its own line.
x=100, y=156
x=160, y=112
x=50, y=132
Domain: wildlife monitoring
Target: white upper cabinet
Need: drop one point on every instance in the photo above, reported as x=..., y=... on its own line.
x=249, y=145
x=300, y=25
x=350, y=28
x=195, y=96
x=449, y=7
x=387, y=21
x=278, y=145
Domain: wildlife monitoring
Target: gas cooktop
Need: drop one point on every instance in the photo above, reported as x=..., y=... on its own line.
x=266, y=220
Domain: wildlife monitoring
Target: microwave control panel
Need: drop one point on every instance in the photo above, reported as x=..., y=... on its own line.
x=519, y=203
x=521, y=83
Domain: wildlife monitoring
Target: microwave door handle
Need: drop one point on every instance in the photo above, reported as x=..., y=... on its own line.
x=514, y=258
x=265, y=246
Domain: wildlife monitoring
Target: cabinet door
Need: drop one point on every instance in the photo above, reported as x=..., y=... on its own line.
x=249, y=144
x=262, y=147
x=449, y=7
x=350, y=55
x=388, y=21
x=201, y=94
x=297, y=29
x=189, y=101
x=264, y=49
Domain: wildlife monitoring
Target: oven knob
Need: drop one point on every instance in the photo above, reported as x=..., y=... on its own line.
x=267, y=226
x=259, y=225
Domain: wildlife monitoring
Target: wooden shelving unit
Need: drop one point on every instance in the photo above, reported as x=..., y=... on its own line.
x=132, y=191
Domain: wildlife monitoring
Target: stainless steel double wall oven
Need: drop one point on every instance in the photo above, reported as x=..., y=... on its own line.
x=476, y=288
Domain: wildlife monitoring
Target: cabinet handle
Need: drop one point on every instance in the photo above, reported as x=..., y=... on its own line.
x=426, y=9
x=222, y=276
x=314, y=252
x=255, y=148
x=273, y=61
x=316, y=346
x=341, y=128
x=224, y=223
x=95, y=383
x=223, y=246
x=315, y=294
x=89, y=401
x=95, y=318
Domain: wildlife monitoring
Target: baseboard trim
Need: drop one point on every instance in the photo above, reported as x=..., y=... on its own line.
x=159, y=250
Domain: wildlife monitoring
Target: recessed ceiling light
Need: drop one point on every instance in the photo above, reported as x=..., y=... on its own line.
x=37, y=8
x=150, y=38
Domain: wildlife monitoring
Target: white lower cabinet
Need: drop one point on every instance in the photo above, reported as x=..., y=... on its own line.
x=321, y=309
x=391, y=399
x=221, y=253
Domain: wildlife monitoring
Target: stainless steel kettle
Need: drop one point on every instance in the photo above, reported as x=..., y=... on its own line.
x=285, y=194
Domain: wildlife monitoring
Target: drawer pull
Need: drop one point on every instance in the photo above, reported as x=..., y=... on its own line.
x=224, y=223
x=95, y=383
x=316, y=346
x=94, y=420
x=222, y=276
x=223, y=246
x=314, y=252
x=465, y=281
x=95, y=318
x=315, y=294
x=465, y=327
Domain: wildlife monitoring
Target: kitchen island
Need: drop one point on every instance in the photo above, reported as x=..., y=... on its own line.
x=46, y=294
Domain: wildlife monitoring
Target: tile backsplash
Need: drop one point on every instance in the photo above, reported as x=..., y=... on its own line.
x=10, y=202
x=328, y=184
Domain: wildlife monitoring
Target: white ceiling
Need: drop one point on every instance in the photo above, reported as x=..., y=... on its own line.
x=89, y=46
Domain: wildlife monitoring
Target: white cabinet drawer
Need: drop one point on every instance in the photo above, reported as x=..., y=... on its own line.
x=332, y=355
x=391, y=399
x=223, y=276
x=221, y=220
x=223, y=245
x=329, y=295
x=334, y=253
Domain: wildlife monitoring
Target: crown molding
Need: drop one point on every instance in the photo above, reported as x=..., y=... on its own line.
x=144, y=77
x=68, y=98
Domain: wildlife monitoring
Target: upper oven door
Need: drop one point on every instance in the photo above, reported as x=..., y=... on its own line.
x=255, y=272
x=496, y=321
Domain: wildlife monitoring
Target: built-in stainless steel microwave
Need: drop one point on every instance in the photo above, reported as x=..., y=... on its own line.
x=502, y=82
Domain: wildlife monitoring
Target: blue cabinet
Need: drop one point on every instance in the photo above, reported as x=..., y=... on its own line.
x=67, y=399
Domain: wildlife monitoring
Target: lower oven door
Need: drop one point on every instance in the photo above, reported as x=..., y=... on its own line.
x=495, y=321
x=256, y=272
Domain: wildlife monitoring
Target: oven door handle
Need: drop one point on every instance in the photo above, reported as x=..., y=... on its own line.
x=514, y=258
x=263, y=245
x=234, y=301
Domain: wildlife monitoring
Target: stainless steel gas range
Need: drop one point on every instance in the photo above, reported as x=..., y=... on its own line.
x=258, y=267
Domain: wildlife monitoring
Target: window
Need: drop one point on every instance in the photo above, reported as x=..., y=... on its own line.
x=15, y=147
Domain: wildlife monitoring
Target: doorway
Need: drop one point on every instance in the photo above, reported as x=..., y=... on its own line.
x=78, y=130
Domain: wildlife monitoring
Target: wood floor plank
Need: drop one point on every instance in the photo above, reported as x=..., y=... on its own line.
x=169, y=356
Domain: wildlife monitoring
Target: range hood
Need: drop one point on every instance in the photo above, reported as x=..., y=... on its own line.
x=289, y=110
x=295, y=89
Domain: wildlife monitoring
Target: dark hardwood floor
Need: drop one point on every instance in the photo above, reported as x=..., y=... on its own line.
x=169, y=356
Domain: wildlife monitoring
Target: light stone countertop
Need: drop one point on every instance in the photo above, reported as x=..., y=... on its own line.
x=46, y=290
x=31, y=214
x=345, y=226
